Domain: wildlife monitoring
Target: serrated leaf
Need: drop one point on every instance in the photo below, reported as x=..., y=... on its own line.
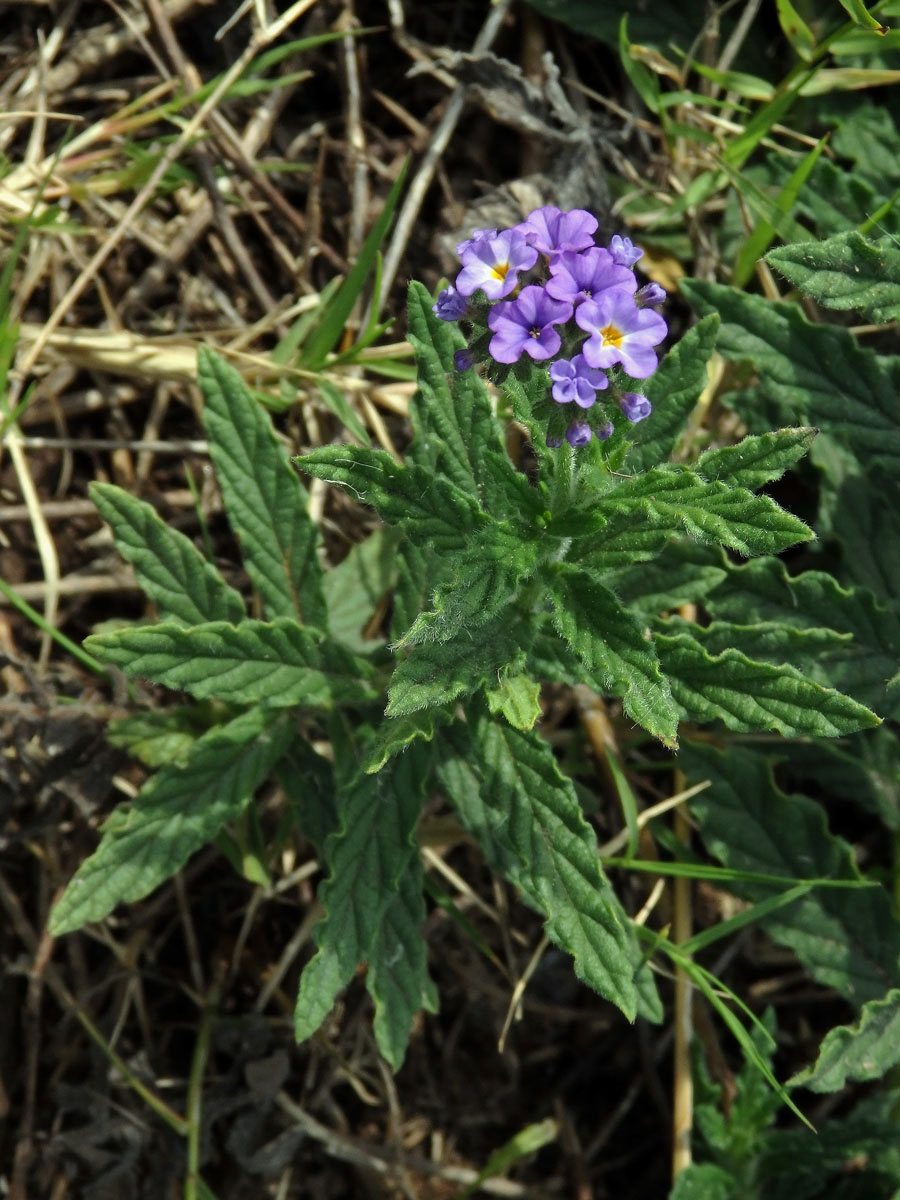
x=748, y=696
x=848, y=938
x=309, y=785
x=171, y=570
x=511, y=795
x=763, y=591
x=277, y=663
x=451, y=414
x=764, y=641
x=438, y=672
x=758, y=459
x=162, y=738
x=847, y=273
x=419, y=568
x=371, y=871
x=634, y=519
x=858, y=1053
x=476, y=584
x=682, y=573
x=816, y=374
x=354, y=588
x=264, y=499
x=393, y=737
x=618, y=659
x=866, y=771
x=517, y=698
x=673, y=390
x=178, y=810
x=398, y=979
x=864, y=517
x=422, y=505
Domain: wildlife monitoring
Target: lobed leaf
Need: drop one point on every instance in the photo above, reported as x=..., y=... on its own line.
x=277, y=663
x=848, y=938
x=264, y=499
x=171, y=570
x=618, y=659
x=682, y=573
x=178, y=810
x=750, y=696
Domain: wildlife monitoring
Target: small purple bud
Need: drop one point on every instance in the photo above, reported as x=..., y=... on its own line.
x=463, y=359
x=624, y=251
x=650, y=295
x=604, y=432
x=635, y=407
x=450, y=304
x=554, y=443
x=578, y=434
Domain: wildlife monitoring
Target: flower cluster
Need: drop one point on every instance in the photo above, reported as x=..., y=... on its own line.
x=544, y=289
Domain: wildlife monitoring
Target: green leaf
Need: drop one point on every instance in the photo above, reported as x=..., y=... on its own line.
x=438, y=672
x=425, y=507
x=393, y=737
x=758, y=459
x=673, y=390
x=418, y=570
x=683, y=573
x=171, y=570
x=263, y=497
x=178, y=810
x=860, y=15
x=511, y=795
x=523, y=1143
x=816, y=374
x=277, y=663
x=848, y=938
x=750, y=696
x=705, y=1181
x=764, y=641
x=846, y=272
x=372, y=872
x=476, y=585
x=610, y=641
x=857, y=1053
x=864, y=519
x=309, y=786
x=452, y=412
x=355, y=588
x=763, y=591
x=330, y=325
x=162, y=738
x=866, y=771
x=795, y=29
x=634, y=519
x=517, y=698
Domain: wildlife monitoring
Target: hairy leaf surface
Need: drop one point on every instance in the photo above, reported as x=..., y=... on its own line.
x=178, y=810
x=278, y=663
x=758, y=459
x=847, y=273
x=264, y=499
x=859, y=1052
x=171, y=570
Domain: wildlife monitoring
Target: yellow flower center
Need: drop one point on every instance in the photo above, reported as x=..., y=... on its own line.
x=499, y=270
x=611, y=336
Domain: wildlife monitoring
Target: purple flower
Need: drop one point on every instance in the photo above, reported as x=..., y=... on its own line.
x=578, y=434
x=650, y=295
x=624, y=251
x=605, y=431
x=635, y=407
x=526, y=323
x=554, y=442
x=450, y=304
x=620, y=333
x=463, y=360
x=493, y=264
x=574, y=379
x=477, y=235
x=577, y=277
x=551, y=230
